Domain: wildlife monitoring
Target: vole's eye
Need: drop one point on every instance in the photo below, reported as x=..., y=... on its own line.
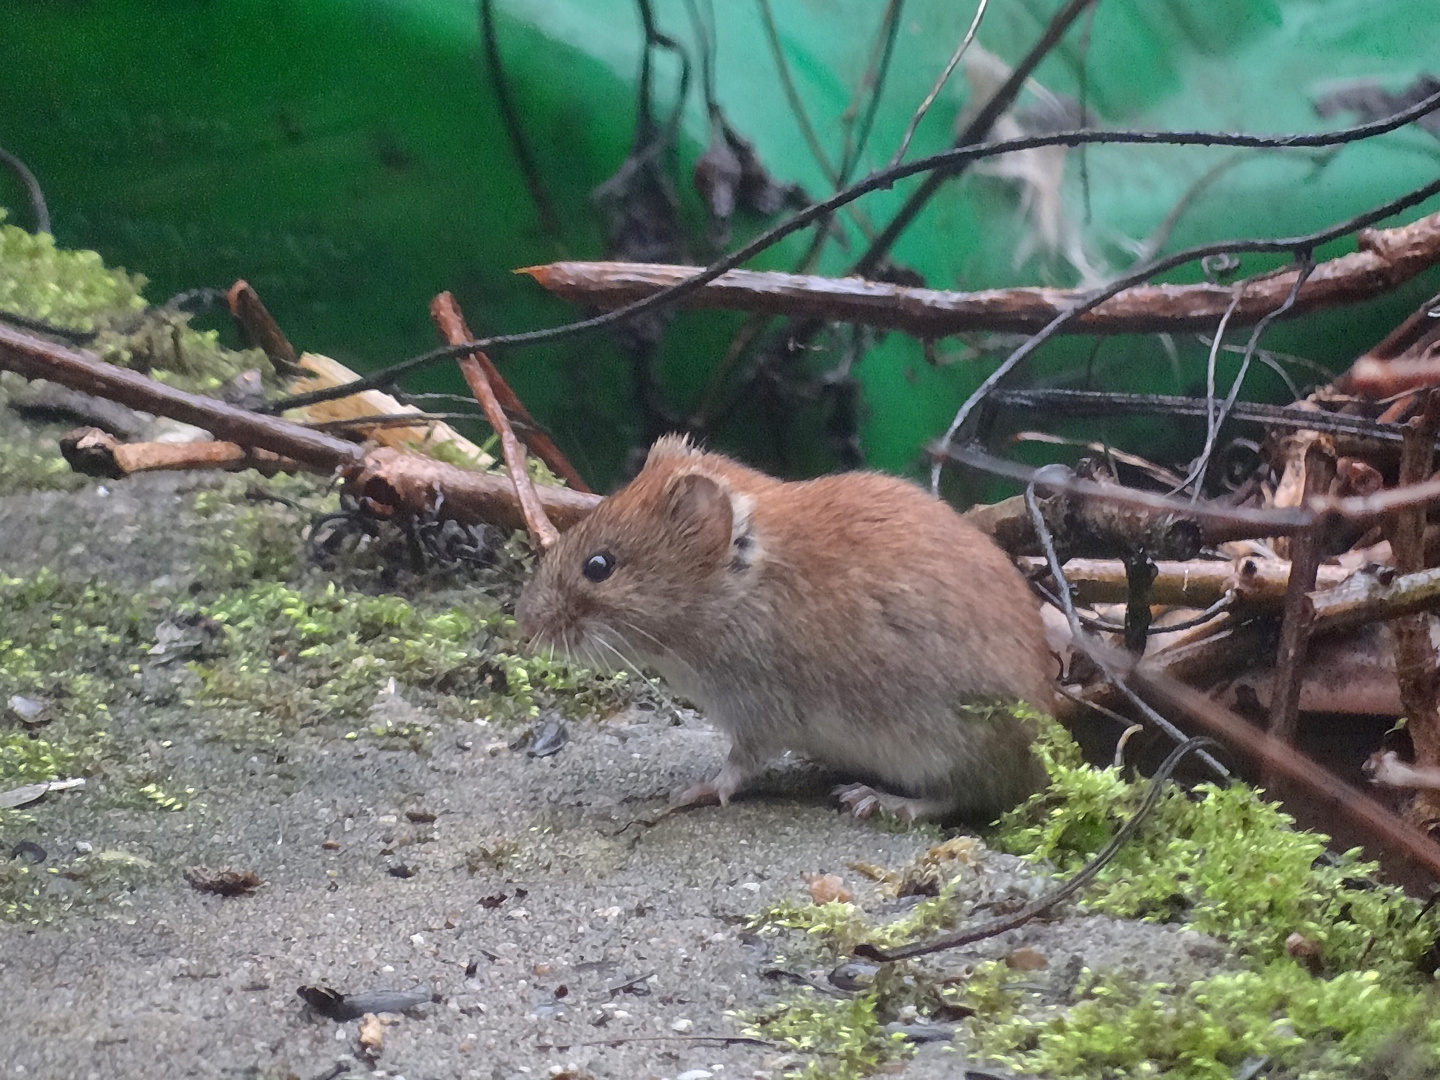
x=599, y=566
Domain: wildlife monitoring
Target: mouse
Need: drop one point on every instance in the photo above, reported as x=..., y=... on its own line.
x=853, y=619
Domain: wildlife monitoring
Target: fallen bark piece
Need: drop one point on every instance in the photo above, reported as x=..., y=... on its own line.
x=1385, y=769
x=222, y=882
x=321, y=372
x=337, y=1006
x=29, y=793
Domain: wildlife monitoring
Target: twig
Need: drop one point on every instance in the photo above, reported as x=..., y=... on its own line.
x=1258, y=585
x=532, y=433
x=259, y=328
x=1090, y=646
x=940, y=83
x=1387, y=260
x=977, y=130
x=792, y=96
x=1385, y=769
x=1416, y=669
x=1363, y=599
x=1322, y=789
x=1306, y=266
x=35, y=358
x=1217, y=523
x=92, y=452
x=886, y=178
x=32, y=189
x=876, y=72
x=514, y=131
x=1073, y=404
x=1298, y=623
x=451, y=324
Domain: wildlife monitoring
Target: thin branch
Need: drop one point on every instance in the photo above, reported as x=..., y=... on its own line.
x=792, y=96
x=1069, y=888
x=32, y=188
x=259, y=328
x=874, y=78
x=1298, y=624
x=1216, y=523
x=1258, y=585
x=886, y=178
x=92, y=452
x=1387, y=260
x=514, y=130
x=978, y=128
x=1306, y=266
x=451, y=324
x=940, y=83
x=1089, y=645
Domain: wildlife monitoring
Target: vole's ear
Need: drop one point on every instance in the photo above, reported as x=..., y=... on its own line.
x=701, y=508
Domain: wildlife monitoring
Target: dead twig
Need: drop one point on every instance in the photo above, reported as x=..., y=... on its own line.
x=1259, y=584
x=1386, y=259
x=1217, y=524
x=1324, y=790
x=92, y=452
x=1069, y=888
x=36, y=358
x=32, y=188
x=531, y=433
x=1305, y=553
x=1363, y=599
x=1408, y=357
x=1415, y=666
x=451, y=324
x=259, y=328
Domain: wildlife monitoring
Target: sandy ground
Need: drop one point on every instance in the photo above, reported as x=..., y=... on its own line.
x=599, y=945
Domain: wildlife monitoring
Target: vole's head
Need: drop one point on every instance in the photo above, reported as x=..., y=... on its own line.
x=648, y=573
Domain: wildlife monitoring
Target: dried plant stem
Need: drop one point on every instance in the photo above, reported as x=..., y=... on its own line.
x=451, y=323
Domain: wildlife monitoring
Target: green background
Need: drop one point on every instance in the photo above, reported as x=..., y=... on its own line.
x=347, y=158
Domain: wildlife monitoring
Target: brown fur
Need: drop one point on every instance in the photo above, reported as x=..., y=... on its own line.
x=849, y=618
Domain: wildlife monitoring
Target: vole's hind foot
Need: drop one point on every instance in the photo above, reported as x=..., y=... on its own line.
x=862, y=800
x=695, y=795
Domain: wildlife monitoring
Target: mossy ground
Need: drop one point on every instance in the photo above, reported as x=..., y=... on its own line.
x=1332, y=972
x=281, y=649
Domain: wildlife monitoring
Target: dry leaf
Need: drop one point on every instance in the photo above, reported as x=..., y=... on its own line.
x=828, y=888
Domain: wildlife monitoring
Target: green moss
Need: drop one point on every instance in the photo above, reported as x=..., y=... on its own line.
x=71, y=646
x=1312, y=1028
x=845, y=1038
x=1224, y=861
x=69, y=288
x=298, y=656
